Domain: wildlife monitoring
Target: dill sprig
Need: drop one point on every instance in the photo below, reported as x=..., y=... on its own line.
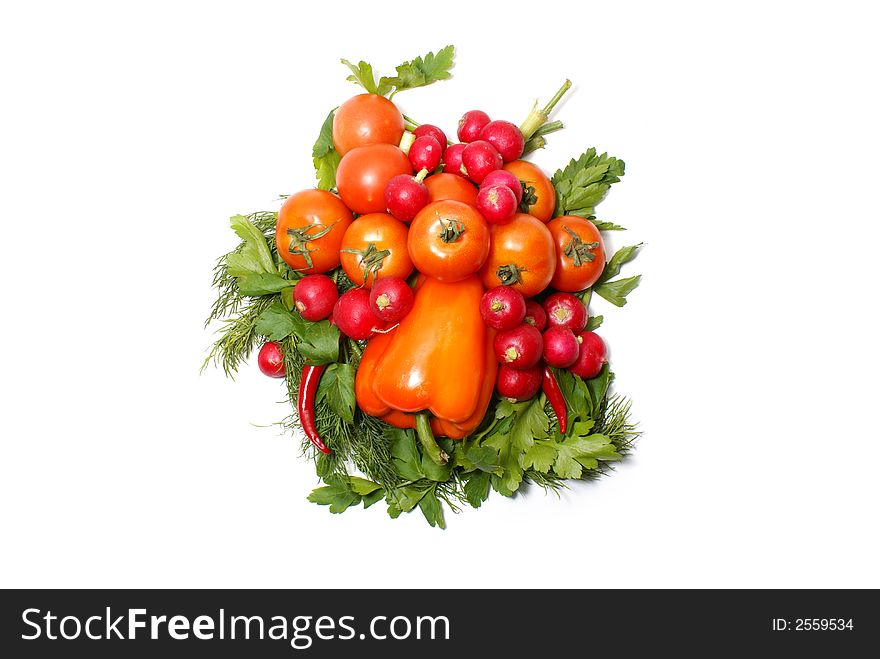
x=238, y=335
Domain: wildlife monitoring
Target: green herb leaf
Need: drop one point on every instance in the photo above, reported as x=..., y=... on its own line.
x=594, y=322
x=406, y=456
x=362, y=486
x=616, y=291
x=337, y=388
x=578, y=453
x=528, y=422
x=607, y=226
x=254, y=256
x=320, y=343
x=583, y=183
x=373, y=497
x=324, y=156
x=621, y=256
x=422, y=71
x=277, y=323
x=336, y=495
x=432, y=510
x=403, y=499
x=540, y=456
x=362, y=75
x=264, y=283
x=598, y=386
x=476, y=488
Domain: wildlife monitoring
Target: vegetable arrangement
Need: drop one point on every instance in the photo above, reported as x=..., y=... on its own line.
x=427, y=305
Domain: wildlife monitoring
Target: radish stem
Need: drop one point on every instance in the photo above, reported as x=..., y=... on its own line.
x=538, y=118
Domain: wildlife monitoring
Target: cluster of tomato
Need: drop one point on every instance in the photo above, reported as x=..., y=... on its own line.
x=450, y=212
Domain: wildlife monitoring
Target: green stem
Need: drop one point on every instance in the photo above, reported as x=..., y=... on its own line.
x=559, y=94
x=410, y=123
x=538, y=118
x=426, y=437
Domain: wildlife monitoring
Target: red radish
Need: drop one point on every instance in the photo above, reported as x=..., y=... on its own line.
x=478, y=159
x=560, y=347
x=391, y=298
x=470, y=125
x=353, y=315
x=503, y=177
x=425, y=153
x=518, y=385
x=496, y=203
x=271, y=360
x=535, y=315
x=520, y=347
x=314, y=296
x=506, y=137
x=593, y=354
x=502, y=307
x=566, y=310
x=452, y=159
x=406, y=195
x=433, y=131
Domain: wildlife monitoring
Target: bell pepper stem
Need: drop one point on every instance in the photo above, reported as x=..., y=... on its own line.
x=426, y=437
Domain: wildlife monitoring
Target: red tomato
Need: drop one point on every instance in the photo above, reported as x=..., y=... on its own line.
x=580, y=253
x=448, y=240
x=450, y=186
x=366, y=119
x=309, y=230
x=364, y=172
x=522, y=255
x=540, y=196
x=374, y=247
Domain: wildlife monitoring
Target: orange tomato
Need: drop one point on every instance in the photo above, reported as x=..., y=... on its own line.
x=539, y=194
x=522, y=255
x=364, y=172
x=366, y=119
x=448, y=240
x=449, y=186
x=374, y=246
x=580, y=253
x=309, y=230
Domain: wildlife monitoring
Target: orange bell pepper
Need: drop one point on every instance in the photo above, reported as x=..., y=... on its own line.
x=436, y=371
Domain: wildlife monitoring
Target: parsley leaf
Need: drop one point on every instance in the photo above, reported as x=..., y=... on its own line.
x=421, y=71
x=431, y=509
x=621, y=256
x=337, y=494
x=578, y=453
x=337, y=388
x=324, y=156
x=616, y=291
x=540, y=456
x=319, y=343
x=584, y=182
x=594, y=323
x=277, y=323
x=362, y=75
x=262, y=283
x=607, y=226
x=526, y=422
x=254, y=255
x=476, y=488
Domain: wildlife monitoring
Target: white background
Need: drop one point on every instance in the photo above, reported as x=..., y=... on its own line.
x=129, y=134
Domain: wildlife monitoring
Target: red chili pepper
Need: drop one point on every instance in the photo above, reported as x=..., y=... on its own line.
x=551, y=389
x=305, y=403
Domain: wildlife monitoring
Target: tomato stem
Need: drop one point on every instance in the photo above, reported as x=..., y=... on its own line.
x=538, y=118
